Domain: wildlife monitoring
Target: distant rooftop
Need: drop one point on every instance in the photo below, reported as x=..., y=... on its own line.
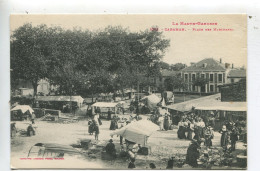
x=208, y=64
x=237, y=73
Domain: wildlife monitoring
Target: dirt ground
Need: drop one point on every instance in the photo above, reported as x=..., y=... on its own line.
x=163, y=144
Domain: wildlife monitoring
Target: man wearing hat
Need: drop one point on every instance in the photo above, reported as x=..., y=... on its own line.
x=110, y=148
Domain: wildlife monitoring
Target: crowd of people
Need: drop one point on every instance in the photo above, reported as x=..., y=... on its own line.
x=191, y=126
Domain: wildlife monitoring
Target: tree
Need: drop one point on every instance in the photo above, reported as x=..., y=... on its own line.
x=82, y=61
x=178, y=66
x=29, y=53
x=175, y=82
x=199, y=81
x=164, y=65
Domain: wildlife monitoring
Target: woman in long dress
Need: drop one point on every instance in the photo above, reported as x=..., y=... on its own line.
x=181, y=130
x=208, y=136
x=166, y=123
x=160, y=121
x=190, y=130
x=90, y=127
x=224, y=137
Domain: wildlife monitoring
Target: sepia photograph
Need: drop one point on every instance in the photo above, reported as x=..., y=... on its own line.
x=119, y=92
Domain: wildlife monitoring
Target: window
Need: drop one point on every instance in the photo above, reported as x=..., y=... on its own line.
x=160, y=78
x=202, y=75
x=232, y=80
x=211, y=77
x=186, y=77
x=211, y=88
x=193, y=77
x=220, y=79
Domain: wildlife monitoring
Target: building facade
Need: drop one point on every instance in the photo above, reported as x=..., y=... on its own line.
x=25, y=87
x=235, y=75
x=215, y=72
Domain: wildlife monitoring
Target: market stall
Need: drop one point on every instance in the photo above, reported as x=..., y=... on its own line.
x=137, y=132
x=21, y=112
x=151, y=101
x=104, y=107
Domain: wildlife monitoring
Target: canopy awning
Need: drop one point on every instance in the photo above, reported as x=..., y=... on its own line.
x=137, y=132
x=151, y=101
x=211, y=102
x=225, y=106
x=23, y=108
x=105, y=104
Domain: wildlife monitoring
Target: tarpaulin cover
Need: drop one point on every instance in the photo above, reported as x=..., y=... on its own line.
x=187, y=106
x=23, y=108
x=151, y=101
x=138, y=131
x=212, y=102
x=105, y=104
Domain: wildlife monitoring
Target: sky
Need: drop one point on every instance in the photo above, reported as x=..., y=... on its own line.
x=191, y=45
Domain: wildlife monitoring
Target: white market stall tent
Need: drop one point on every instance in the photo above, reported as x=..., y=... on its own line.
x=78, y=99
x=105, y=106
x=23, y=108
x=21, y=112
x=137, y=132
x=151, y=101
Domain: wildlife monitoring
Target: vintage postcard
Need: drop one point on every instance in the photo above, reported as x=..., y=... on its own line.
x=128, y=91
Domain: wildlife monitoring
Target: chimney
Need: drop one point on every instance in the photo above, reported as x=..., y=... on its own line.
x=232, y=66
x=227, y=65
x=220, y=60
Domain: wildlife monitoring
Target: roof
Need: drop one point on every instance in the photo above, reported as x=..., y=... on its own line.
x=187, y=105
x=105, y=104
x=78, y=99
x=212, y=65
x=23, y=108
x=168, y=73
x=237, y=73
x=212, y=102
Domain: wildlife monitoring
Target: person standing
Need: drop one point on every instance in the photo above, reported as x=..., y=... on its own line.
x=160, y=121
x=190, y=130
x=209, y=135
x=233, y=138
x=109, y=114
x=166, y=122
x=33, y=118
x=201, y=126
x=196, y=130
x=13, y=130
x=90, y=127
x=212, y=120
x=180, y=127
x=224, y=137
x=96, y=132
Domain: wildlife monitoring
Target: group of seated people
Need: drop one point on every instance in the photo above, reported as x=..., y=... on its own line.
x=127, y=149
